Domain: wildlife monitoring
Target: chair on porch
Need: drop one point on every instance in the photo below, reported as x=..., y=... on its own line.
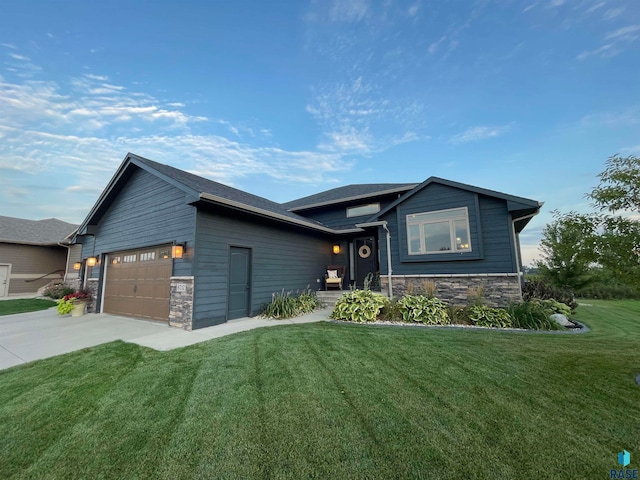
x=333, y=277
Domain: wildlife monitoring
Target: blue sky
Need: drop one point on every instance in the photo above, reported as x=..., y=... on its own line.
x=285, y=99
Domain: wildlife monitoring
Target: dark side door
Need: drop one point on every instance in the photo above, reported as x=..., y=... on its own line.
x=239, y=283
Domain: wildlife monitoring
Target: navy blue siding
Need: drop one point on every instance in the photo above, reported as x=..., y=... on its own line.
x=147, y=212
x=335, y=216
x=491, y=235
x=282, y=258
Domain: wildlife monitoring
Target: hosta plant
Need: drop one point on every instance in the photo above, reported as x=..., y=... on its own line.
x=422, y=309
x=484, y=316
x=359, y=306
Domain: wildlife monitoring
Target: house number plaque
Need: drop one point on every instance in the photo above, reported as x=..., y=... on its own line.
x=181, y=287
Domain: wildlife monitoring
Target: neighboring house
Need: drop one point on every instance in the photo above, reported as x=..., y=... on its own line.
x=169, y=245
x=34, y=252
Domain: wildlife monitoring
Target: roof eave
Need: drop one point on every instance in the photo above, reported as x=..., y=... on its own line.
x=272, y=215
x=353, y=198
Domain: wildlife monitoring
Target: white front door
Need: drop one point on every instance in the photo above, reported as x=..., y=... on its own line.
x=4, y=280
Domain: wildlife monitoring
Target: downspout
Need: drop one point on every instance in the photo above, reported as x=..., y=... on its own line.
x=389, y=271
x=383, y=224
x=66, y=265
x=515, y=247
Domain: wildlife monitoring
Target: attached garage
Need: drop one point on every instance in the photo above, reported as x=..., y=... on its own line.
x=137, y=283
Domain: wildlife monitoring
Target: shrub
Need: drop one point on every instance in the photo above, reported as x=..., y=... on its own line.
x=459, y=315
x=57, y=290
x=484, y=316
x=533, y=315
x=391, y=311
x=422, y=309
x=284, y=305
x=537, y=288
x=359, y=306
x=609, y=292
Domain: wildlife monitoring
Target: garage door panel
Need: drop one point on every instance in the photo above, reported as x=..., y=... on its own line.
x=138, y=284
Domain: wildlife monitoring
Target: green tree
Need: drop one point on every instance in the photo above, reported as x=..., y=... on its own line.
x=619, y=188
x=569, y=248
x=574, y=243
x=619, y=240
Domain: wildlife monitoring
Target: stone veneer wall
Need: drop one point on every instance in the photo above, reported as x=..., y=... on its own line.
x=181, y=303
x=92, y=287
x=498, y=290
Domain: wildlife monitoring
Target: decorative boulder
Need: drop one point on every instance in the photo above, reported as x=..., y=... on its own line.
x=561, y=319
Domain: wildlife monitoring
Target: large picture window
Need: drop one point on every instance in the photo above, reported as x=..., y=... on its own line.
x=442, y=231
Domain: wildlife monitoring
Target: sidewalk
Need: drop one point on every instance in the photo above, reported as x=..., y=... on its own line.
x=173, y=338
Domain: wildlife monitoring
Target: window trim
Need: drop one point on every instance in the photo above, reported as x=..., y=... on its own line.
x=452, y=235
x=376, y=206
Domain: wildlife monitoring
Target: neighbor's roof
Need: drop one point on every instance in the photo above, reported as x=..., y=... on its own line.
x=50, y=231
x=358, y=191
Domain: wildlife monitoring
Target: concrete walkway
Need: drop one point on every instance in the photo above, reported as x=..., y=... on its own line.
x=25, y=337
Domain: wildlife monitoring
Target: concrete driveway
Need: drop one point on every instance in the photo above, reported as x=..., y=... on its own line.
x=32, y=336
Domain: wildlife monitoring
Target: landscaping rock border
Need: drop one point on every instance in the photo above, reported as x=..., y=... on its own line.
x=582, y=328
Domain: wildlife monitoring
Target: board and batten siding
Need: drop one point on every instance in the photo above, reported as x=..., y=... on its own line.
x=281, y=258
x=490, y=232
x=146, y=212
x=29, y=262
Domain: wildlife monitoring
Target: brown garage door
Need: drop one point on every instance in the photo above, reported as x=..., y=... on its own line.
x=137, y=283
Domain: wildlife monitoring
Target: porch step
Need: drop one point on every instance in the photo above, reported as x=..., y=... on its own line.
x=330, y=297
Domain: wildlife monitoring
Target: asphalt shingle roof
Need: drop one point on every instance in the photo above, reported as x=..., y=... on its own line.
x=203, y=185
x=37, y=232
x=336, y=195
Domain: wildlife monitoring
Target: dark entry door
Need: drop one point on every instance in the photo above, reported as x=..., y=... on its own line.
x=366, y=255
x=239, y=282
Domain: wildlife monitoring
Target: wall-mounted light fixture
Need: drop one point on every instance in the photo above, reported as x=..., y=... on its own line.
x=92, y=261
x=336, y=249
x=177, y=251
x=77, y=266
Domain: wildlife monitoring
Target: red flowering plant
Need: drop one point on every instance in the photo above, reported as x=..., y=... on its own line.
x=66, y=303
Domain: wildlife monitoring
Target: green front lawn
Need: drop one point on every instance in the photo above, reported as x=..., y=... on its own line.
x=9, y=307
x=334, y=401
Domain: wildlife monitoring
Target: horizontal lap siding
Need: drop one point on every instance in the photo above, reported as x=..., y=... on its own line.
x=492, y=232
x=147, y=212
x=28, y=262
x=281, y=259
x=336, y=216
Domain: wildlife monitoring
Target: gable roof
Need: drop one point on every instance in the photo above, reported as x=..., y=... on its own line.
x=203, y=190
x=50, y=231
x=359, y=191
x=523, y=205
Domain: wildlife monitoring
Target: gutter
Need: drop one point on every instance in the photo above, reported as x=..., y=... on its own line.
x=276, y=216
x=383, y=224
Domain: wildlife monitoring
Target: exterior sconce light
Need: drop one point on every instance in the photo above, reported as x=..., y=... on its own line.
x=92, y=261
x=336, y=249
x=77, y=265
x=177, y=251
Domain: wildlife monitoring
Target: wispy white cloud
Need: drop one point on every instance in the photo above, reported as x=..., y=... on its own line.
x=625, y=33
x=9, y=45
x=556, y=3
x=72, y=139
x=480, y=132
x=433, y=48
x=612, y=13
x=413, y=9
x=595, y=7
x=614, y=43
x=349, y=11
